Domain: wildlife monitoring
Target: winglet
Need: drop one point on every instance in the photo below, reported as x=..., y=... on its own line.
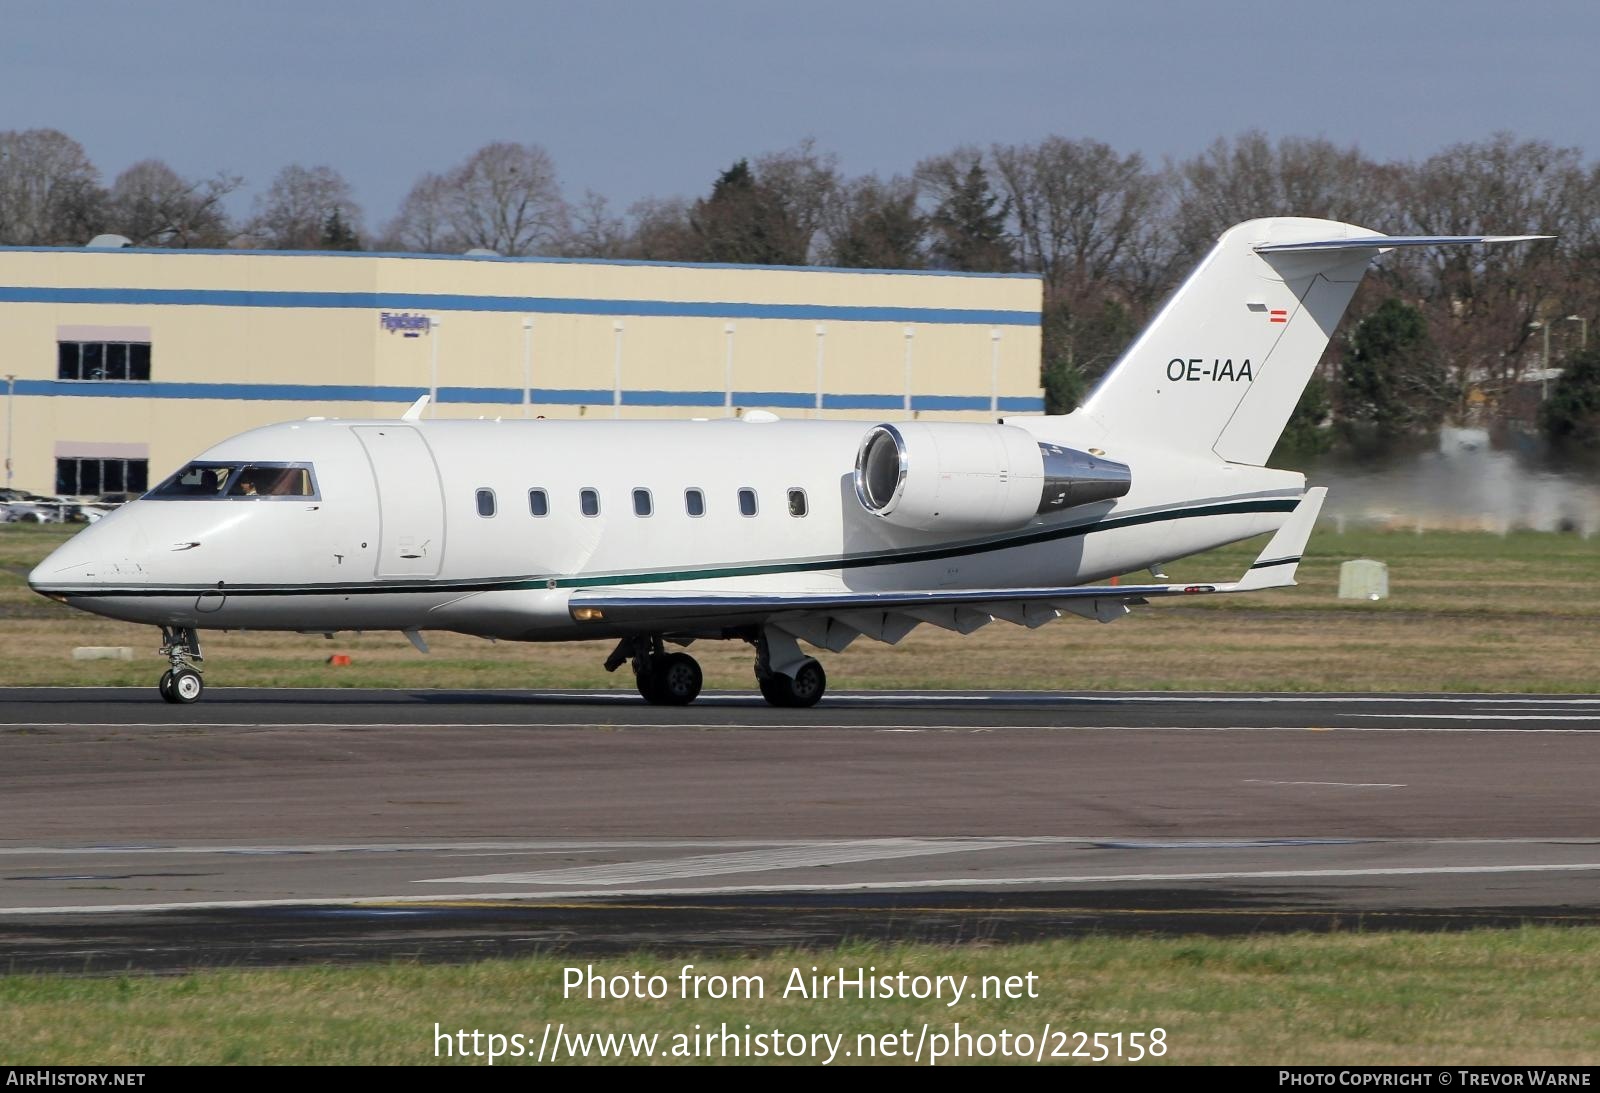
x=1276, y=565
x=415, y=413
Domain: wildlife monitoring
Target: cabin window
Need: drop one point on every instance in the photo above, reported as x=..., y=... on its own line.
x=747, y=502
x=485, y=502
x=642, y=505
x=694, y=502
x=797, y=501
x=539, y=502
x=589, y=502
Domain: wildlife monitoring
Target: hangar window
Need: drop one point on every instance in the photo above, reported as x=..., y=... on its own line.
x=539, y=502
x=747, y=502
x=694, y=502
x=797, y=501
x=103, y=360
x=589, y=502
x=485, y=502
x=83, y=477
x=642, y=505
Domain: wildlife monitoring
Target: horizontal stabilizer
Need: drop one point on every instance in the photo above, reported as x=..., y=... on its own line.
x=1384, y=242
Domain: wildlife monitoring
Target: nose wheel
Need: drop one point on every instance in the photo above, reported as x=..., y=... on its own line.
x=182, y=686
x=181, y=683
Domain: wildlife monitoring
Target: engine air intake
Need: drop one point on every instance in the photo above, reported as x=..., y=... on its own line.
x=945, y=476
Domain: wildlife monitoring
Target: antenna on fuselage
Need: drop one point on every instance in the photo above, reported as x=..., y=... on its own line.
x=415, y=413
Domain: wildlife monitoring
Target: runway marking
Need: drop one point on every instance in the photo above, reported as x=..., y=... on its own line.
x=1479, y=717
x=863, y=726
x=962, y=883
x=1348, y=785
x=810, y=855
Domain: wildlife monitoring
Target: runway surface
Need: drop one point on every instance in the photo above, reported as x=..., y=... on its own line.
x=281, y=825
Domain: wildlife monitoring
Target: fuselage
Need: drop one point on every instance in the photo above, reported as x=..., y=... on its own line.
x=486, y=527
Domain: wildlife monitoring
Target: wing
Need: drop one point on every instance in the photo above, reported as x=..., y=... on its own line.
x=833, y=620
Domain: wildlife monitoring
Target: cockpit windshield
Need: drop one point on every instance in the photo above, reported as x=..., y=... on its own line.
x=238, y=480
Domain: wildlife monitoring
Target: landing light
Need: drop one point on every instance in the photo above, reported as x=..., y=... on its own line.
x=588, y=614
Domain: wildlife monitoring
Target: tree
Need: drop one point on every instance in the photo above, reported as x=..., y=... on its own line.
x=1391, y=380
x=337, y=235
x=505, y=198
x=1080, y=342
x=749, y=219
x=1306, y=436
x=50, y=193
x=594, y=232
x=423, y=223
x=876, y=225
x=1570, y=417
x=295, y=211
x=154, y=206
x=969, y=222
x=1079, y=207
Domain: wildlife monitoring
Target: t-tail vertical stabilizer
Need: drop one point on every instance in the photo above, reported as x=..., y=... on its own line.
x=1223, y=364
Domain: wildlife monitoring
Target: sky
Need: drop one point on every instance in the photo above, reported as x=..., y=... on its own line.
x=656, y=97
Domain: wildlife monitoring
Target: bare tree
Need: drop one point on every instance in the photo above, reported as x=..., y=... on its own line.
x=505, y=198
x=296, y=211
x=423, y=222
x=662, y=231
x=594, y=231
x=1078, y=207
x=154, y=206
x=50, y=193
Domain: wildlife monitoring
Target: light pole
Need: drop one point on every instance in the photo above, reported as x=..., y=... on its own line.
x=822, y=333
x=616, y=371
x=527, y=365
x=11, y=399
x=433, y=374
x=994, y=371
x=1583, y=330
x=911, y=333
x=727, y=372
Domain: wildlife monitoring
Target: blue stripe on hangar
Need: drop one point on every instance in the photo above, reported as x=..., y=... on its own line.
x=507, y=396
x=521, y=305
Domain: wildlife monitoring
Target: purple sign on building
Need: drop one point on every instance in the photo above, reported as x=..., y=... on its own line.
x=410, y=324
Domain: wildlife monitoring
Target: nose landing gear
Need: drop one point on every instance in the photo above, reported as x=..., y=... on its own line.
x=181, y=683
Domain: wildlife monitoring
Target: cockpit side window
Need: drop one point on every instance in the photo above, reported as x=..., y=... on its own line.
x=199, y=481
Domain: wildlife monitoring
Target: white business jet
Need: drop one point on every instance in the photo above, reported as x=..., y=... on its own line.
x=770, y=532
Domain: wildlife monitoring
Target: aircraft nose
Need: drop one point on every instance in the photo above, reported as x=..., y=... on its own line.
x=101, y=553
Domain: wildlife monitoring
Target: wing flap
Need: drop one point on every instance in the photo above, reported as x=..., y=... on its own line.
x=834, y=619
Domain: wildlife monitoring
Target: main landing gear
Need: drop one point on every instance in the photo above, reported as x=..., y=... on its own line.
x=787, y=677
x=663, y=678
x=181, y=683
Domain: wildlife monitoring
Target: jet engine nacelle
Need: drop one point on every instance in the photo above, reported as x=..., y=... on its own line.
x=944, y=476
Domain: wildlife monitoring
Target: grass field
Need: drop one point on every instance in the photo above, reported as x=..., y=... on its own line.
x=1468, y=611
x=1517, y=996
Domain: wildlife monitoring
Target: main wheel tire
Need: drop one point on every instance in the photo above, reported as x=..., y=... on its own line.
x=774, y=689
x=804, y=690
x=646, y=682
x=678, y=679
x=186, y=686
x=165, y=686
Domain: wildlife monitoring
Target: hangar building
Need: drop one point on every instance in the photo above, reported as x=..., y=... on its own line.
x=119, y=365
